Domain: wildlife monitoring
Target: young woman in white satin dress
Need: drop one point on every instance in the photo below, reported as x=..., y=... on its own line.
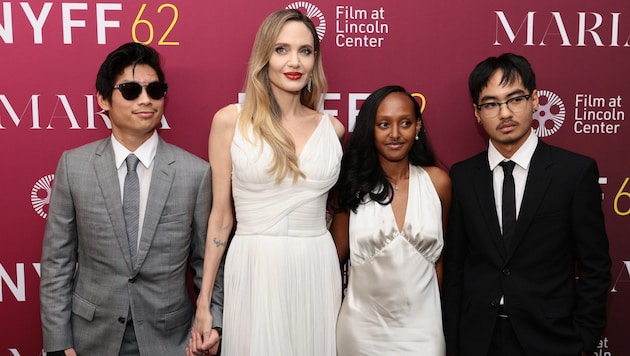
x=392, y=203
x=273, y=162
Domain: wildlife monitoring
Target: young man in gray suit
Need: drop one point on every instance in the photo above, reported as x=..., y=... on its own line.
x=120, y=235
x=526, y=263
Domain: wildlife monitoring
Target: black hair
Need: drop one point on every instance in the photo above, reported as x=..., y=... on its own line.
x=131, y=53
x=512, y=66
x=361, y=173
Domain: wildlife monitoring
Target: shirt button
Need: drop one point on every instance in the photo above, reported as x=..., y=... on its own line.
x=122, y=320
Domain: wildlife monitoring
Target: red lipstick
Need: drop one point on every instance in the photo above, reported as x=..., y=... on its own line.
x=293, y=75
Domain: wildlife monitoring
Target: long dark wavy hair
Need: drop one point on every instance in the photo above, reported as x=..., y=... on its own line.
x=361, y=173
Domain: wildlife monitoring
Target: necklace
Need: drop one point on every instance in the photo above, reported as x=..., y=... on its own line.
x=395, y=182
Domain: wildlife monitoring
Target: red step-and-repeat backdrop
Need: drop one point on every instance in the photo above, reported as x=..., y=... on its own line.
x=50, y=52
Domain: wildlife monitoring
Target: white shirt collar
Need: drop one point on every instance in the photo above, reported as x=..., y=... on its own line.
x=522, y=157
x=146, y=152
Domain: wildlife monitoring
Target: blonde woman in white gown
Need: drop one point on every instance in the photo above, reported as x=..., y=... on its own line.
x=392, y=204
x=273, y=162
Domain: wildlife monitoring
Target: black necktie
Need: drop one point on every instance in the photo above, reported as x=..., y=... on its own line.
x=508, y=205
x=131, y=204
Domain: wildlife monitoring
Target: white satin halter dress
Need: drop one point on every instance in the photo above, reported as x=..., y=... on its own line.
x=392, y=304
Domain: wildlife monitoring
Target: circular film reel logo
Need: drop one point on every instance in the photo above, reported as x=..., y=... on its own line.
x=40, y=195
x=550, y=114
x=314, y=14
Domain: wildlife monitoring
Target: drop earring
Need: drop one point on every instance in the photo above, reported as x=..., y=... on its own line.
x=309, y=85
x=417, y=137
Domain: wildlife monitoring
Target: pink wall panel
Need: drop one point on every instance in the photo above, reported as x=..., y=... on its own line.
x=50, y=52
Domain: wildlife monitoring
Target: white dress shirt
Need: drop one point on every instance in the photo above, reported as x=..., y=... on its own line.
x=145, y=153
x=522, y=157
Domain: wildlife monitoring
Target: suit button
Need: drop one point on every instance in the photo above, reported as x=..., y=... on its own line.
x=122, y=320
x=494, y=303
x=132, y=280
x=506, y=272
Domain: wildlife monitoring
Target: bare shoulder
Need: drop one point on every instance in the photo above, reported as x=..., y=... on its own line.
x=339, y=128
x=225, y=118
x=222, y=131
x=440, y=179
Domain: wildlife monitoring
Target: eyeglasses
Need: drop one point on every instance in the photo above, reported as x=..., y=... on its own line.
x=132, y=90
x=515, y=105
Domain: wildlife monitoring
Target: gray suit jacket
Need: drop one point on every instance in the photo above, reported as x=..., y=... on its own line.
x=88, y=282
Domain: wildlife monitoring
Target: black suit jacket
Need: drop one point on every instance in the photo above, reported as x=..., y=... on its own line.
x=559, y=236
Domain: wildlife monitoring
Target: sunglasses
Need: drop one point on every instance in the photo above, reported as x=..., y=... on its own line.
x=132, y=90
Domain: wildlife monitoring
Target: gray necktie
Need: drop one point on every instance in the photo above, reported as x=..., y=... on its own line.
x=131, y=204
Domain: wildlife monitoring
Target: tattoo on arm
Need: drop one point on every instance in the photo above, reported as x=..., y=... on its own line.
x=219, y=243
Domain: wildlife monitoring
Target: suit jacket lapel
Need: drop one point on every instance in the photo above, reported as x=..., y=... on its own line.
x=538, y=180
x=107, y=176
x=485, y=196
x=161, y=182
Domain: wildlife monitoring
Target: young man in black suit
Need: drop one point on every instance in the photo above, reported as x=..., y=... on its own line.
x=531, y=279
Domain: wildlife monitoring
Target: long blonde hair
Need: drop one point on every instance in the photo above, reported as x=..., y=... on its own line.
x=261, y=110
